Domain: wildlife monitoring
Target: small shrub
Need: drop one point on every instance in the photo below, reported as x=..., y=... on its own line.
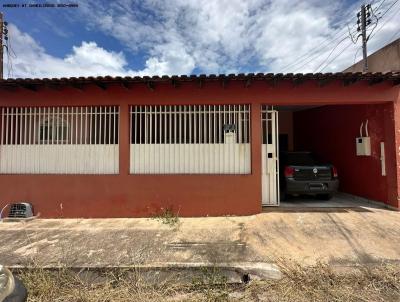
x=167, y=216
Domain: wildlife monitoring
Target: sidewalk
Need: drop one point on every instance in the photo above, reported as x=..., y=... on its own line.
x=339, y=236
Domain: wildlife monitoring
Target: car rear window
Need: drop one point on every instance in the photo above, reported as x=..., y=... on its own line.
x=300, y=159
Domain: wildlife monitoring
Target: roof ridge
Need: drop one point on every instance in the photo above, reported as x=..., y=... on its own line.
x=204, y=76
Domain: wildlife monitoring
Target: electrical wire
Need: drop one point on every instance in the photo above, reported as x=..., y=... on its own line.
x=306, y=56
x=390, y=7
x=387, y=20
x=337, y=56
x=375, y=23
x=10, y=54
x=322, y=46
x=10, y=67
x=355, y=56
x=317, y=53
x=5, y=33
x=372, y=33
x=383, y=1
x=325, y=63
x=327, y=58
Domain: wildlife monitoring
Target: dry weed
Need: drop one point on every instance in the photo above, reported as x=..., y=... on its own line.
x=315, y=283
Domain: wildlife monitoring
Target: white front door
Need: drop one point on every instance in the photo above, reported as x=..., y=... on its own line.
x=270, y=156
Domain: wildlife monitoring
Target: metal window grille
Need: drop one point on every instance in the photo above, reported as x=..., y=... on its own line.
x=82, y=140
x=191, y=139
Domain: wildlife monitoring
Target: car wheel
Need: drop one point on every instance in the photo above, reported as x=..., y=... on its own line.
x=324, y=196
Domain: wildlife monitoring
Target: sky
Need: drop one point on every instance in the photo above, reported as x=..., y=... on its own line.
x=176, y=37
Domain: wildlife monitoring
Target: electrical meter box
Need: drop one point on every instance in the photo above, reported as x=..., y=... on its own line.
x=230, y=133
x=363, y=145
x=230, y=138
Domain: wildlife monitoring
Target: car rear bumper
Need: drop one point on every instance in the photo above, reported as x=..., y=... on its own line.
x=311, y=187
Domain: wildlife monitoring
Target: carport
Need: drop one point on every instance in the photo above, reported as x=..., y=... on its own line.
x=331, y=133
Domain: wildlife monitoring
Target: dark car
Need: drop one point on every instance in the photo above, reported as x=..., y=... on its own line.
x=302, y=173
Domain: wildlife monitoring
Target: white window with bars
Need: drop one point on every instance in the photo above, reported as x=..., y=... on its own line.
x=59, y=140
x=190, y=139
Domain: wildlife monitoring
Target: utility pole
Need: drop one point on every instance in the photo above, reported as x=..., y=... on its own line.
x=362, y=22
x=364, y=36
x=1, y=45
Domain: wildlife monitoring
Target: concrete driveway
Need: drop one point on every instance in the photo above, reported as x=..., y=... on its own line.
x=340, y=236
x=339, y=200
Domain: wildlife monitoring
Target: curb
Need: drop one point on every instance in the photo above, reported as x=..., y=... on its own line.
x=237, y=272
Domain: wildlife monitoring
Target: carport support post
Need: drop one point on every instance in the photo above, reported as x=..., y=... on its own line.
x=256, y=148
x=124, y=140
x=394, y=153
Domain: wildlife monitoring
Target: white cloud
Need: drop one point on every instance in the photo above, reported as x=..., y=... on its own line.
x=88, y=59
x=235, y=35
x=89, y=54
x=171, y=58
x=211, y=36
x=221, y=36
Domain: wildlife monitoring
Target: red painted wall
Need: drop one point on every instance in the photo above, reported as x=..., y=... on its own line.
x=286, y=126
x=394, y=180
x=330, y=133
x=127, y=195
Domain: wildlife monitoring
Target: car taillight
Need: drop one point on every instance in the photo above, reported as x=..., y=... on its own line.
x=289, y=171
x=334, y=172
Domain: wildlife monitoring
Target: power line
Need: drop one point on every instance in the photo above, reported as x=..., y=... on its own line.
x=363, y=20
x=10, y=68
x=316, y=54
x=1, y=44
x=305, y=56
x=383, y=1
x=387, y=20
x=324, y=64
x=383, y=24
x=323, y=45
x=338, y=55
x=372, y=32
x=7, y=47
x=327, y=58
x=355, y=56
x=394, y=2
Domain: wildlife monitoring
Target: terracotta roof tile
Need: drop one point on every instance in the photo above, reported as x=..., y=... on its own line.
x=393, y=76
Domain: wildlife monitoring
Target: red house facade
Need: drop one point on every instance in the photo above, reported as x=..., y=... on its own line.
x=198, y=145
